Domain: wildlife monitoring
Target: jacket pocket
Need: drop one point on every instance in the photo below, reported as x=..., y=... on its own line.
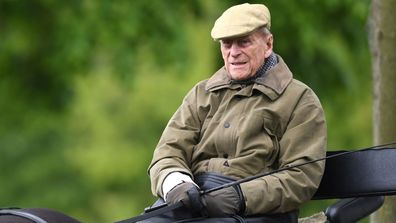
x=270, y=128
x=217, y=164
x=224, y=166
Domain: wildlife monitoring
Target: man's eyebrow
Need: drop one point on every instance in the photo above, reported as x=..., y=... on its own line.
x=236, y=38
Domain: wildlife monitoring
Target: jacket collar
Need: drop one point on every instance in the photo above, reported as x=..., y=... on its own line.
x=272, y=84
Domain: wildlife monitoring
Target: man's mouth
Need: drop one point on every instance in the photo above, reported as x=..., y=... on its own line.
x=238, y=63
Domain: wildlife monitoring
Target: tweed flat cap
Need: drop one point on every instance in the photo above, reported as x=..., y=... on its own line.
x=240, y=20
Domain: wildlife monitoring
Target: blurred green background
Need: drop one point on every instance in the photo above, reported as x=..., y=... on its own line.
x=87, y=86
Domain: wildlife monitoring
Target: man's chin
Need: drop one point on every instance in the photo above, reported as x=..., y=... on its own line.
x=239, y=77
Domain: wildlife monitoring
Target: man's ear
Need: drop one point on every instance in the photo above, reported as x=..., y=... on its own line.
x=269, y=45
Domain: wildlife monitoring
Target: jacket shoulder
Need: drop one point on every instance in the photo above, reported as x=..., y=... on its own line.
x=305, y=92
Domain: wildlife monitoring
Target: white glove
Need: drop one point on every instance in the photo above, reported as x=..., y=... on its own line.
x=173, y=179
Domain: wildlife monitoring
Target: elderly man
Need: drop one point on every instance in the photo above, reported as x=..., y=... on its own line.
x=250, y=117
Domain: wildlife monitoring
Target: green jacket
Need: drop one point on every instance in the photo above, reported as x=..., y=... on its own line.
x=242, y=130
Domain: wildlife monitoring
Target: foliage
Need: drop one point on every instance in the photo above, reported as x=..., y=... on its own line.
x=86, y=88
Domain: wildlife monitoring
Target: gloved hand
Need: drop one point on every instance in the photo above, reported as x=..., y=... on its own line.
x=225, y=202
x=187, y=193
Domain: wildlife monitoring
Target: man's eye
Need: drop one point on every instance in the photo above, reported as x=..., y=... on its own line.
x=226, y=43
x=244, y=42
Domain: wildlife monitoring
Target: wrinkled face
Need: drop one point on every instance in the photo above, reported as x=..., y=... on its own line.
x=243, y=56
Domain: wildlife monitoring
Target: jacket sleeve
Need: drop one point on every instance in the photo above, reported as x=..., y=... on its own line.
x=174, y=149
x=303, y=140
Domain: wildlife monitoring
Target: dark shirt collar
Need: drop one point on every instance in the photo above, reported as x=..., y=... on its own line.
x=270, y=62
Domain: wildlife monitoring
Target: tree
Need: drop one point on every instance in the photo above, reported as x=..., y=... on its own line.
x=382, y=40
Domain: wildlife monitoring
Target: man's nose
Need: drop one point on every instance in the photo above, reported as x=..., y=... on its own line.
x=235, y=50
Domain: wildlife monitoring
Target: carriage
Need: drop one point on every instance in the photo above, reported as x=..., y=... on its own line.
x=359, y=179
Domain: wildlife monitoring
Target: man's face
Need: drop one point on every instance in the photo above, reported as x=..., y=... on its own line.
x=243, y=56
